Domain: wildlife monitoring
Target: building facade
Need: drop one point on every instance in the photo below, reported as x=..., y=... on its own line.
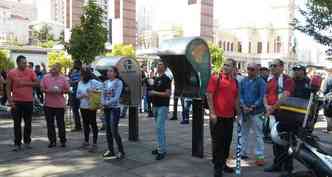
x=123, y=14
x=199, y=15
x=15, y=17
x=264, y=40
x=58, y=11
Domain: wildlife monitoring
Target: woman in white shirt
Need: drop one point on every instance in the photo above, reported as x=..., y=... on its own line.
x=85, y=87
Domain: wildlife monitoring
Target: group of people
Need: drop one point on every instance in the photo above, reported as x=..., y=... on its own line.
x=252, y=99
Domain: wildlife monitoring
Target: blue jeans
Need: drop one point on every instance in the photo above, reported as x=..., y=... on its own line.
x=255, y=122
x=160, y=114
x=186, y=109
x=112, y=118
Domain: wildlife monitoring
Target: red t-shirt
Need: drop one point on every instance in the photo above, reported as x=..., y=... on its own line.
x=272, y=89
x=224, y=97
x=21, y=93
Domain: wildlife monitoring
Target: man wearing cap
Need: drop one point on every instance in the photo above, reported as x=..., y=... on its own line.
x=279, y=86
x=301, y=81
x=252, y=91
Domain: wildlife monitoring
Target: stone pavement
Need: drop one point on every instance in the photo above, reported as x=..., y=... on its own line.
x=72, y=161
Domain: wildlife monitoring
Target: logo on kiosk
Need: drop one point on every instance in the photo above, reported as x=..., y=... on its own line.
x=128, y=65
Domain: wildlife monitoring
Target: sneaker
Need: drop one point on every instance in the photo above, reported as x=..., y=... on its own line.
x=228, y=169
x=155, y=152
x=51, y=145
x=85, y=145
x=260, y=162
x=173, y=118
x=108, y=155
x=27, y=146
x=93, y=148
x=160, y=156
x=120, y=155
x=17, y=148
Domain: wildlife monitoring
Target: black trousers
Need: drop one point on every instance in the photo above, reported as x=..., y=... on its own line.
x=89, y=121
x=281, y=157
x=22, y=110
x=221, y=134
x=112, y=118
x=58, y=114
x=75, y=104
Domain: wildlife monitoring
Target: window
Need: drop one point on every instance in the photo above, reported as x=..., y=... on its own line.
x=259, y=47
x=220, y=44
x=277, y=45
x=232, y=47
x=228, y=46
x=117, y=9
x=249, y=47
x=267, y=47
x=192, y=2
x=239, y=47
x=224, y=45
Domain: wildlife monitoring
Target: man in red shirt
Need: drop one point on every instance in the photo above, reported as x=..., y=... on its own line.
x=223, y=100
x=20, y=83
x=279, y=85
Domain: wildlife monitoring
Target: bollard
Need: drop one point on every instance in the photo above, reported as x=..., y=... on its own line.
x=198, y=129
x=133, y=123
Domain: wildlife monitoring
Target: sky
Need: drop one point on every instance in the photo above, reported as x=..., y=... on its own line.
x=44, y=10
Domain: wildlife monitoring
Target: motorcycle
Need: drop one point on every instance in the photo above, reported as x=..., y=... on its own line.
x=302, y=145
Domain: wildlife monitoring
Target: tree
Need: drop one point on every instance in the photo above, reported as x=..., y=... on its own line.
x=43, y=34
x=88, y=39
x=60, y=57
x=126, y=50
x=217, y=57
x=5, y=62
x=317, y=21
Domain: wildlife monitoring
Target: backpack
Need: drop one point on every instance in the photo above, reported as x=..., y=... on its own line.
x=125, y=93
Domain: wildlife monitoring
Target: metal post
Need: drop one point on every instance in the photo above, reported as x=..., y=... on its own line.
x=133, y=123
x=198, y=129
x=175, y=108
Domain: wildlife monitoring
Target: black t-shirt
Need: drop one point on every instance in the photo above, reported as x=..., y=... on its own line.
x=302, y=89
x=161, y=84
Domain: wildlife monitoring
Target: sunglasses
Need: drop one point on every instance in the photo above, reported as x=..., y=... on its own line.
x=273, y=65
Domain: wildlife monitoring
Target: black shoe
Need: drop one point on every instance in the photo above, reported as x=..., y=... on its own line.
x=228, y=169
x=155, y=152
x=244, y=157
x=51, y=145
x=160, y=156
x=17, y=148
x=272, y=168
x=173, y=118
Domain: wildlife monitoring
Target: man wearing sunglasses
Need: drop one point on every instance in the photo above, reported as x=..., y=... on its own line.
x=252, y=91
x=222, y=96
x=301, y=81
x=279, y=86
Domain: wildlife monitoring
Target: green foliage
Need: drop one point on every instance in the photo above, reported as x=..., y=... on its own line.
x=43, y=34
x=217, y=57
x=317, y=21
x=88, y=39
x=60, y=57
x=48, y=44
x=126, y=50
x=5, y=62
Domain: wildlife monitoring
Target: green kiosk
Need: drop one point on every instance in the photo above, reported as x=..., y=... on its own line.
x=189, y=60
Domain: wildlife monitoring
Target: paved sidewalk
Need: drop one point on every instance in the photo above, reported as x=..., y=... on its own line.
x=74, y=162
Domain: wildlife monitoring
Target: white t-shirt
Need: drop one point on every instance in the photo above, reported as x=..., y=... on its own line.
x=83, y=88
